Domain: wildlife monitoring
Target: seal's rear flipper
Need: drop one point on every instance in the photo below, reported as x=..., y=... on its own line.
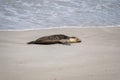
x=31, y=42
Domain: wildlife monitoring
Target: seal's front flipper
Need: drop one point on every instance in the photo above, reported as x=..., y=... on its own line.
x=66, y=43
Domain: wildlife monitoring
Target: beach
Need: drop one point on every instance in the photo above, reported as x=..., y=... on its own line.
x=97, y=57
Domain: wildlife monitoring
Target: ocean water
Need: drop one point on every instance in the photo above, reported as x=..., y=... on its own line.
x=37, y=14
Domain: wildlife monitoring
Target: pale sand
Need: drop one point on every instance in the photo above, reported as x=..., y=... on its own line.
x=96, y=58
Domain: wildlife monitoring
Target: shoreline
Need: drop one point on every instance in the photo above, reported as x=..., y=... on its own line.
x=64, y=27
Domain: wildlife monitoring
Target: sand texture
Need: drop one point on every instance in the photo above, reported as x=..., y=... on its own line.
x=96, y=58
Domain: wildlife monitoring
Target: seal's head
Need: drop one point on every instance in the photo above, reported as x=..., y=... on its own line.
x=74, y=40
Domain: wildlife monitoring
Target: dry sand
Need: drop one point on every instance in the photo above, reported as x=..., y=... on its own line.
x=96, y=58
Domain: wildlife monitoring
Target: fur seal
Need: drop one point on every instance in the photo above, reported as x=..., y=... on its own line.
x=54, y=39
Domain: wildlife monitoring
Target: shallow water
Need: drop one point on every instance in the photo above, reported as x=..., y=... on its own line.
x=35, y=14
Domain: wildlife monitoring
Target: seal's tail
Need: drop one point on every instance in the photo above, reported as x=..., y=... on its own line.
x=31, y=42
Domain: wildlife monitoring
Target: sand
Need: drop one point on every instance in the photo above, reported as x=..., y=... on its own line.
x=96, y=58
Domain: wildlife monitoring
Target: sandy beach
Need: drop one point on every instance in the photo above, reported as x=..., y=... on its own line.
x=96, y=58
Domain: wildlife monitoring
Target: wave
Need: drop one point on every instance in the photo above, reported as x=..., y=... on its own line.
x=35, y=14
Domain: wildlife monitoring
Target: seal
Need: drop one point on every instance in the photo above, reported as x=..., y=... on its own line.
x=55, y=39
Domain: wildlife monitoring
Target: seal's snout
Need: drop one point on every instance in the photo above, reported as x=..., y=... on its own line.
x=78, y=40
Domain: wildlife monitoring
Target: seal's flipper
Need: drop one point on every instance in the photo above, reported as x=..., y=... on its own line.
x=31, y=42
x=64, y=42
